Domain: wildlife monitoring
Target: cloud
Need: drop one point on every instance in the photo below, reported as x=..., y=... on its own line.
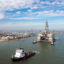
x=25, y=18
x=50, y=13
x=18, y=12
x=18, y=4
x=38, y=15
x=56, y=2
x=30, y=25
x=10, y=5
x=34, y=7
x=2, y=15
x=15, y=4
x=20, y=25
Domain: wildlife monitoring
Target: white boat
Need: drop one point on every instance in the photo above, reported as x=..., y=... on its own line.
x=34, y=42
x=52, y=43
x=19, y=54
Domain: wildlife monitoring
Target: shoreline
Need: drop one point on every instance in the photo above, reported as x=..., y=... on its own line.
x=15, y=39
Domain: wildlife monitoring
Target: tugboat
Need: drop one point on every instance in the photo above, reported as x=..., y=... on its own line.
x=21, y=55
x=34, y=42
x=52, y=43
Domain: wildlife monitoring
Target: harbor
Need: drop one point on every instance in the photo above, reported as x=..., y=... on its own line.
x=45, y=53
x=45, y=36
x=40, y=45
x=31, y=31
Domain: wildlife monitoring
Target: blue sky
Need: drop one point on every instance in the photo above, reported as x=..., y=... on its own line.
x=31, y=14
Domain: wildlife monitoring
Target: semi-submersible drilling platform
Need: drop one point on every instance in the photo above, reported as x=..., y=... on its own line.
x=46, y=36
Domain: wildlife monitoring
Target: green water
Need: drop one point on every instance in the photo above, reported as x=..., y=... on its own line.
x=45, y=53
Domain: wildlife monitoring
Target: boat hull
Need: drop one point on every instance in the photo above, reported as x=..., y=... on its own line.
x=27, y=55
x=16, y=59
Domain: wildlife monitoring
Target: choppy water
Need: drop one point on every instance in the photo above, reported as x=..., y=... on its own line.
x=46, y=54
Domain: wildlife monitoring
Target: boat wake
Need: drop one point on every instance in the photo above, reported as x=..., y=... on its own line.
x=37, y=52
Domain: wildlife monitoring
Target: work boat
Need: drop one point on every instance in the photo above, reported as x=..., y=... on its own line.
x=52, y=43
x=34, y=42
x=21, y=55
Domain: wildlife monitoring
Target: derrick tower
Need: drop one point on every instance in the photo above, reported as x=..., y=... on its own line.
x=46, y=27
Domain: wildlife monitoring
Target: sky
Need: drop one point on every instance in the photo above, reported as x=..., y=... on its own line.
x=31, y=14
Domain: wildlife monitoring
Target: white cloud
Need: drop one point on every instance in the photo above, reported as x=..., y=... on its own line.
x=15, y=4
x=35, y=7
x=39, y=14
x=2, y=15
x=56, y=2
x=31, y=25
x=20, y=25
x=18, y=12
x=25, y=18
x=45, y=2
x=50, y=13
x=10, y=5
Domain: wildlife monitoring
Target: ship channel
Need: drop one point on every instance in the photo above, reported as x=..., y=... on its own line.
x=45, y=52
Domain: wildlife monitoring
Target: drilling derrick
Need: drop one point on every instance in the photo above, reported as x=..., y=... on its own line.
x=46, y=27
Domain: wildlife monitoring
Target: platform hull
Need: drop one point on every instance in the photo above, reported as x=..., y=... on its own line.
x=43, y=41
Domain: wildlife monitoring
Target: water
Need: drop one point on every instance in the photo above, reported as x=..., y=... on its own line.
x=45, y=53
